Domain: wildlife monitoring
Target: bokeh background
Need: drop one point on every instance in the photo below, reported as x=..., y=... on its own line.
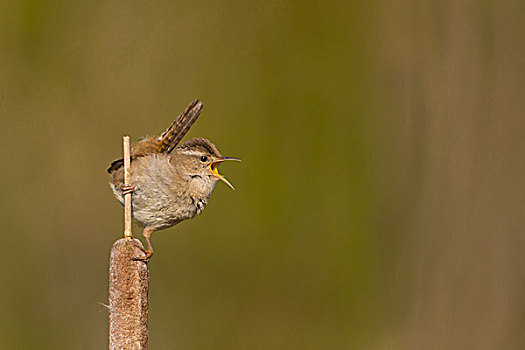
x=380, y=201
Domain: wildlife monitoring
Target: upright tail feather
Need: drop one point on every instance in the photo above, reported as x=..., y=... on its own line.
x=172, y=136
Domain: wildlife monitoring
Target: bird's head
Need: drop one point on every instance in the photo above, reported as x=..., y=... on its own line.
x=202, y=158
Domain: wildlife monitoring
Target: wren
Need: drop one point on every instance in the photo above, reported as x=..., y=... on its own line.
x=169, y=183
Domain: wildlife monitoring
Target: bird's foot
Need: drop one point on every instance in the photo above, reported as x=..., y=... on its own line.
x=127, y=189
x=148, y=252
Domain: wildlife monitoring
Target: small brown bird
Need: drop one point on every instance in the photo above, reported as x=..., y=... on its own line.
x=169, y=183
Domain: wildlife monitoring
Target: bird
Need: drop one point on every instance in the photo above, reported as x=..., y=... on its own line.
x=169, y=183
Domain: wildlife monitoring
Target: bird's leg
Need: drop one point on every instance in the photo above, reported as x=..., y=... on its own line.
x=149, y=252
x=126, y=189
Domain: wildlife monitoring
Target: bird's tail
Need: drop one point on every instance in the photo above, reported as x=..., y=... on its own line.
x=172, y=136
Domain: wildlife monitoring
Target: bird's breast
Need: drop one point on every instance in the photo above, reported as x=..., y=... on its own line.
x=164, y=196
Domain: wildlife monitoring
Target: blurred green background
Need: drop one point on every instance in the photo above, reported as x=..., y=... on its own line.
x=380, y=200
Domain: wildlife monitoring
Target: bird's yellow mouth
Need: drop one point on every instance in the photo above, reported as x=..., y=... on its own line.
x=214, y=169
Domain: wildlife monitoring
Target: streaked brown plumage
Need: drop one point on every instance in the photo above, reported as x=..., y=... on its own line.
x=169, y=184
x=169, y=139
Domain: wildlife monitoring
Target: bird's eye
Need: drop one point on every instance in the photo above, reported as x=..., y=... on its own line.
x=204, y=158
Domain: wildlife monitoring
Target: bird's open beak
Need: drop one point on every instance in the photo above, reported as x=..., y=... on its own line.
x=215, y=171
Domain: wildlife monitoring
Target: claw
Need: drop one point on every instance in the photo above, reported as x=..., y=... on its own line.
x=149, y=252
x=127, y=189
x=146, y=258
